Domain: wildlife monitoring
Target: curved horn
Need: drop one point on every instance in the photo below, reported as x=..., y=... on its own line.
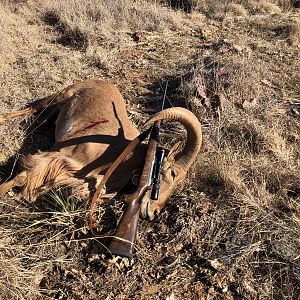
x=193, y=128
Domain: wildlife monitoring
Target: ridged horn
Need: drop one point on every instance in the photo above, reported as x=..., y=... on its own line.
x=193, y=128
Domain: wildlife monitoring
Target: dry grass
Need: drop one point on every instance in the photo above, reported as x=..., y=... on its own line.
x=264, y=7
x=82, y=24
x=253, y=161
x=236, y=10
x=294, y=33
x=218, y=9
x=231, y=230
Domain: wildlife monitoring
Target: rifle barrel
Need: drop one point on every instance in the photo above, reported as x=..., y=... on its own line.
x=156, y=181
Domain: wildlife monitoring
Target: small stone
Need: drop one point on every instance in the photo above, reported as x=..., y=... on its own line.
x=237, y=48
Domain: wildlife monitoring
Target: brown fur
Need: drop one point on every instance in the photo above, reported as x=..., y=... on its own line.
x=92, y=129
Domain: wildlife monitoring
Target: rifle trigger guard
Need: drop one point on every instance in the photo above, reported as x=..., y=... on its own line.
x=135, y=175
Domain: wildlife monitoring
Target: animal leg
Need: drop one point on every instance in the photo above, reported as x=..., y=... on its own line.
x=19, y=180
x=30, y=109
x=40, y=104
x=23, y=112
x=67, y=94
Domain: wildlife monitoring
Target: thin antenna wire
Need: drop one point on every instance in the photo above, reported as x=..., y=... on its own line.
x=165, y=94
x=35, y=119
x=158, y=81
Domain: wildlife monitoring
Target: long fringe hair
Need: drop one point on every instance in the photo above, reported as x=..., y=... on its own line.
x=46, y=170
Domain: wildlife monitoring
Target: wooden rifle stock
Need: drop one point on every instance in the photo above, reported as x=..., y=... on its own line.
x=123, y=242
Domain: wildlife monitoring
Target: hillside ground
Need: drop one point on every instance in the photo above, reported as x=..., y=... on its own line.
x=232, y=229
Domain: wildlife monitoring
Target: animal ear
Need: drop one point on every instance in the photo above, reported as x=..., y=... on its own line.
x=174, y=151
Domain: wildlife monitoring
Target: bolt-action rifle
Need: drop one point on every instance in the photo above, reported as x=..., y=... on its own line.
x=123, y=241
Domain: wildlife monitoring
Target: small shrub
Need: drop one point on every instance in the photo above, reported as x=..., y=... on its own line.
x=236, y=10
x=294, y=34
x=265, y=7
x=185, y=5
x=74, y=38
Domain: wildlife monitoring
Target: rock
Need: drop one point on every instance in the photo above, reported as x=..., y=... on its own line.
x=237, y=48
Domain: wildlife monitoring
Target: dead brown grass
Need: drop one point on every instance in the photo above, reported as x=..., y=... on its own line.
x=82, y=24
x=294, y=33
x=236, y=10
x=264, y=7
x=231, y=231
x=250, y=160
x=219, y=9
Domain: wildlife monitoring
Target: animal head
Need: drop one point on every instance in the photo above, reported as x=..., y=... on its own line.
x=179, y=159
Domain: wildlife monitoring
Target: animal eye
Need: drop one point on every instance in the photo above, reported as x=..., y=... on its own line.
x=173, y=174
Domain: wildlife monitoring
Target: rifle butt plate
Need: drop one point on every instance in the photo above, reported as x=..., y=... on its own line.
x=121, y=248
